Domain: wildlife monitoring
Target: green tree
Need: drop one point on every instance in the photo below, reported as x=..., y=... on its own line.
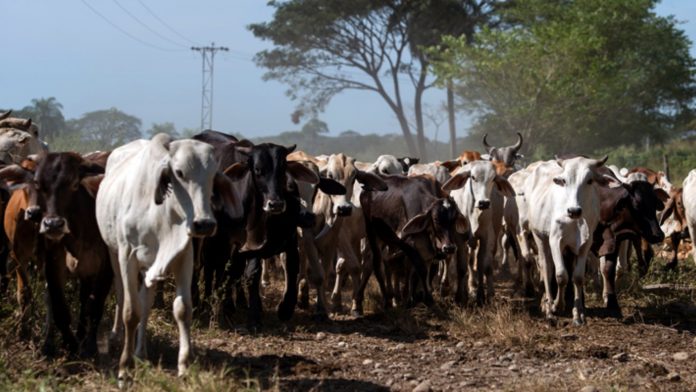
x=47, y=114
x=314, y=127
x=107, y=128
x=574, y=76
x=323, y=47
x=166, y=127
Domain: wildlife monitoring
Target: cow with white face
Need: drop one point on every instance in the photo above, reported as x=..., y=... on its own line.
x=155, y=197
x=386, y=164
x=563, y=208
x=478, y=191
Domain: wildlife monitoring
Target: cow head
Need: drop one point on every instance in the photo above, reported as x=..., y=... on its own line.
x=645, y=202
x=407, y=162
x=187, y=173
x=507, y=155
x=479, y=177
x=268, y=167
x=442, y=219
x=577, y=181
x=341, y=168
x=58, y=179
x=22, y=175
x=385, y=165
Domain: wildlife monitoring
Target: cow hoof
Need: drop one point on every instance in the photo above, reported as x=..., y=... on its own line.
x=578, y=322
x=428, y=300
x=49, y=350
x=285, y=311
x=124, y=382
x=303, y=303
x=356, y=312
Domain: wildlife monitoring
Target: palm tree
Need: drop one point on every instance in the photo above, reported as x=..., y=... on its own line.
x=47, y=114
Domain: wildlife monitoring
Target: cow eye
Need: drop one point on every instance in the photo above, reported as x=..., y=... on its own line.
x=559, y=181
x=75, y=185
x=473, y=178
x=589, y=182
x=179, y=173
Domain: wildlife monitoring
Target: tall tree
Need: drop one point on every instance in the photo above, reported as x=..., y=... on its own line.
x=47, y=113
x=314, y=127
x=107, y=128
x=323, y=47
x=576, y=75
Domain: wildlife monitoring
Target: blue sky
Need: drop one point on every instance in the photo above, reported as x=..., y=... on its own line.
x=63, y=49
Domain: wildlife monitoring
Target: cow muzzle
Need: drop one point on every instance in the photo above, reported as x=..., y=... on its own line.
x=344, y=210
x=33, y=213
x=274, y=206
x=449, y=249
x=203, y=227
x=54, y=227
x=574, y=212
x=483, y=204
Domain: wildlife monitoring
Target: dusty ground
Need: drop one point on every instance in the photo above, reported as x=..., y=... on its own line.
x=505, y=346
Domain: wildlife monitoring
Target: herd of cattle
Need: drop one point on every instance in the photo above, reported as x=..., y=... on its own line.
x=220, y=207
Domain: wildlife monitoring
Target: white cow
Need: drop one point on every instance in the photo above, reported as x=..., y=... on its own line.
x=563, y=212
x=439, y=172
x=156, y=196
x=689, y=199
x=478, y=192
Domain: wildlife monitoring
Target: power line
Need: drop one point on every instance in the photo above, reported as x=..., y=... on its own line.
x=135, y=18
x=124, y=32
x=164, y=23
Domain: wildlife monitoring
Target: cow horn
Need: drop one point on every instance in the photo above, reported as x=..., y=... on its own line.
x=485, y=143
x=602, y=161
x=517, y=145
x=26, y=124
x=325, y=230
x=5, y=115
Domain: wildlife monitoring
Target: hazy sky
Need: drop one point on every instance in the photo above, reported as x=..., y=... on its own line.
x=63, y=49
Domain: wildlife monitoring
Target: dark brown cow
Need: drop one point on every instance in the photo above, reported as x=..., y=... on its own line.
x=627, y=212
x=69, y=243
x=429, y=223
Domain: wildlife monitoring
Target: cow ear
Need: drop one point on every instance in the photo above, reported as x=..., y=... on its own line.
x=331, y=187
x=224, y=198
x=417, y=224
x=291, y=148
x=456, y=182
x=300, y=172
x=668, y=211
x=91, y=184
x=504, y=186
x=661, y=194
x=451, y=165
x=461, y=225
x=164, y=184
x=15, y=174
x=236, y=171
x=88, y=168
x=370, y=181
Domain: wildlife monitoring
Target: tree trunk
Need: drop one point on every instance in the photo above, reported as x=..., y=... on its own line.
x=418, y=109
x=406, y=131
x=450, y=114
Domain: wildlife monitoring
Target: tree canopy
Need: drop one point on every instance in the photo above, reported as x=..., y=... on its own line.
x=108, y=128
x=576, y=75
x=323, y=47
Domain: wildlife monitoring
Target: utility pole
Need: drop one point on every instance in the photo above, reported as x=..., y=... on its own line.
x=208, y=54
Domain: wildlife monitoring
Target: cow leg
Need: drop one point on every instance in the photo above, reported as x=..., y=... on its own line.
x=286, y=307
x=374, y=266
x=547, y=272
x=147, y=299
x=608, y=267
x=101, y=290
x=578, y=288
x=183, y=310
x=561, y=273
x=86, y=290
x=117, y=327
x=675, y=238
x=55, y=281
x=648, y=253
x=24, y=296
x=252, y=275
x=459, y=272
x=131, y=312
x=4, y=260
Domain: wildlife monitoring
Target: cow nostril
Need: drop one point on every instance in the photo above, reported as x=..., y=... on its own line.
x=574, y=211
x=204, y=226
x=344, y=210
x=32, y=213
x=483, y=204
x=449, y=249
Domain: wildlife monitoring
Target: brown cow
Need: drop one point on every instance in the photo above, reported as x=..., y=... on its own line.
x=69, y=243
x=678, y=226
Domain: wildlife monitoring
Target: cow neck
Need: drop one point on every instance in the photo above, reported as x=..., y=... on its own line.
x=254, y=214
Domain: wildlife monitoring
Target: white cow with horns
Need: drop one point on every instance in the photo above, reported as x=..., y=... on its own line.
x=156, y=196
x=563, y=214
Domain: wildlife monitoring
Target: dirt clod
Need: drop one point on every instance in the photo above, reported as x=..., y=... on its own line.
x=680, y=356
